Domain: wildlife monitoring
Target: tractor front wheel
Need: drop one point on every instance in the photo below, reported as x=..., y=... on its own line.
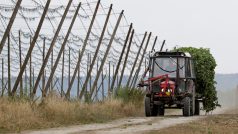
x=161, y=110
x=186, y=107
x=155, y=110
x=147, y=107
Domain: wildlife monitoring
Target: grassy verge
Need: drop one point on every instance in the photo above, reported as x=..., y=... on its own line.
x=18, y=115
x=215, y=124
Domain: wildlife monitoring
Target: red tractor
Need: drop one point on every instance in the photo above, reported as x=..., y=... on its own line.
x=171, y=84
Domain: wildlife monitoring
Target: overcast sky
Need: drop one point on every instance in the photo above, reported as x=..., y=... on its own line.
x=199, y=23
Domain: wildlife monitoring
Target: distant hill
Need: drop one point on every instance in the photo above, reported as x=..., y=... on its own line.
x=226, y=81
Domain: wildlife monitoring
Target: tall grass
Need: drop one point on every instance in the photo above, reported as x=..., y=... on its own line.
x=18, y=115
x=134, y=96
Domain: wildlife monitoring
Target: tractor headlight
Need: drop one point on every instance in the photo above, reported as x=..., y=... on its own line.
x=162, y=90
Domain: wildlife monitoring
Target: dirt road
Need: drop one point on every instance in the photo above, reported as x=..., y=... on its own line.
x=126, y=126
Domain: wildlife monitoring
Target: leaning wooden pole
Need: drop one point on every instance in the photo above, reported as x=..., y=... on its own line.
x=62, y=48
x=9, y=26
x=162, y=47
x=83, y=48
x=106, y=53
x=155, y=41
x=120, y=59
x=96, y=52
x=142, y=58
x=137, y=56
x=19, y=77
x=50, y=50
x=126, y=58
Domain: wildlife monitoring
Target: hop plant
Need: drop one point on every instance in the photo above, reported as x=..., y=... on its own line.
x=204, y=64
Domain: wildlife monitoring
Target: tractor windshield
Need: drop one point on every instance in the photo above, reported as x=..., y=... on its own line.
x=168, y=66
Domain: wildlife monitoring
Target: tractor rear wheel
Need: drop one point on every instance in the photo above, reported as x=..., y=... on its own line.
x=197, y=108
x=147, y=107
x=192, y=105
x=186, y=106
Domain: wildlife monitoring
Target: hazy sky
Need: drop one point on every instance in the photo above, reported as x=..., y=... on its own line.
x=199, y=23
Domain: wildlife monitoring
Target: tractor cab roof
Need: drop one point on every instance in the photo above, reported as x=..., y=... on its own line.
x=170, y=54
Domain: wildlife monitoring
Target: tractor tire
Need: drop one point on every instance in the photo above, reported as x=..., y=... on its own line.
x=155, y=110
x=186, y=107
x=192, y=105
x=147, y=107
x=197, y=108
x=161, y=110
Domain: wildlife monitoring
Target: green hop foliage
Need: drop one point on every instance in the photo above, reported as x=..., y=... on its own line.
x=204, y=64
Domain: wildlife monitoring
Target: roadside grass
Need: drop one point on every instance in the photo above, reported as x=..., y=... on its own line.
x=213, y=124
x=17, y=115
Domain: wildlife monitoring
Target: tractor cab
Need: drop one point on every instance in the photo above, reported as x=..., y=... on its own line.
x=177, y=67
x=171, y=83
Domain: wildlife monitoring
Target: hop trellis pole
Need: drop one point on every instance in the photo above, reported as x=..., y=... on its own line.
x=110, y=72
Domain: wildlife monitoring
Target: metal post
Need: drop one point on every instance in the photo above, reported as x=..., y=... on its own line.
x=113, y=74
x=82, y=51
x=9, y=66
x=69, y=70
x=21, y=84
x=161, y=49
x=96, y=52
x=236, y=95
x=119, y=62
x=9, y=26
x=134, y=65
x=33, y=76
x=52, y=62
x=145, y=64
x=109, y=79
x=19, y=77
x=62, y=47
x=78, y=84
x=139, y=67
x=2, y=77
x=99, y=87
x=62, y=76
x=43, y=74
x=26, y=87
x=106, y=53
x=97, y=82
x=50, y=50
x=90, y=76
x=30, y=72
x=125, y=61
x=117, y=80
x=103, y=95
